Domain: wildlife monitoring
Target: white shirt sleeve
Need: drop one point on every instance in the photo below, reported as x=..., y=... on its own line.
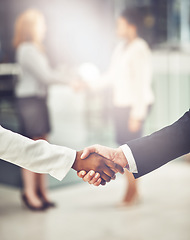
x=37, y=156
x=132, y=167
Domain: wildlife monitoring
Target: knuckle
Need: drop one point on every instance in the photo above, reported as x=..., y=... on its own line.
x=99, y=169
x=112, y=174
x=109, y=179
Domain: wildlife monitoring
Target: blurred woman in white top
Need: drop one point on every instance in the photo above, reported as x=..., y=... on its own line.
x=31, y=92
x=131, y=75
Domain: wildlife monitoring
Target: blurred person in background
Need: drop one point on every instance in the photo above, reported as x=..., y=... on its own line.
x=31, y=92
x=130, y=73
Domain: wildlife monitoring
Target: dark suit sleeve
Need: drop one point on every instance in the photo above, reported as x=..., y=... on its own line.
x=157, y=149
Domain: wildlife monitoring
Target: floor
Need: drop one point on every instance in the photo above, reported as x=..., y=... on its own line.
x=88, y=213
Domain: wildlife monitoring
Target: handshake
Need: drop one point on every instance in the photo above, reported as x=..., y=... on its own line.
x=98, y=164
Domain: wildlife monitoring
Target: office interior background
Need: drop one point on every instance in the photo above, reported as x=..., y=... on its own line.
x=83, y=32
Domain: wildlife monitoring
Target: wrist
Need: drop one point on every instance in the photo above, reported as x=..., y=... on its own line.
x=76, y=163
x=122, y=157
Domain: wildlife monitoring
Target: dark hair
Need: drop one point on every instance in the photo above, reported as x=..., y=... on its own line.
x=133, y=16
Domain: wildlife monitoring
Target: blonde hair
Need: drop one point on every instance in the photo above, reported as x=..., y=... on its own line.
x=25, y=27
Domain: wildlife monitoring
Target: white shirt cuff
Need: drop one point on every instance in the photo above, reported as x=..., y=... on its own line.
x=63, y=163
x=132, y=167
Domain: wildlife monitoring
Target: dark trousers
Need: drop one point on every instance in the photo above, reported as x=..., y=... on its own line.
x=121, y=121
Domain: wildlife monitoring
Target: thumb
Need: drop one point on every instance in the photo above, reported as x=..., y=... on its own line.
x=87, y=151
x=81, y=174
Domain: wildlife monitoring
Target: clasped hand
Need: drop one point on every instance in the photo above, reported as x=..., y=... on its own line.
x=98, y=164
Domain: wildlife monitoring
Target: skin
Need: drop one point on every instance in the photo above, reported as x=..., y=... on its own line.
x=115, y=155
x=40, y=30
x=125, y=30
x=134, y=124
x=105, y=168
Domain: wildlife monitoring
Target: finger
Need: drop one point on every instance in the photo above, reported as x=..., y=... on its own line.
x=95, y=178
x=113, y=178
x=103, y=182
x=119, y=168
x=111, y=165
x=105, y=177
x=87, y=151
x=88, y=177
x=108, y=172
x=98, y=182
x=115, y=167
x=81, y=174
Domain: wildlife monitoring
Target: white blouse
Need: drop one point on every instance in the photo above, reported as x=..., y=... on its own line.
x=130, y=74
x=37, y=156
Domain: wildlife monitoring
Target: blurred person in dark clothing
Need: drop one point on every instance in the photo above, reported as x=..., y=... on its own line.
x=31, y=92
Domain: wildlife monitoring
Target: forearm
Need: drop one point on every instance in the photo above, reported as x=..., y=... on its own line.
x=151, y=152
x=37, y=156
